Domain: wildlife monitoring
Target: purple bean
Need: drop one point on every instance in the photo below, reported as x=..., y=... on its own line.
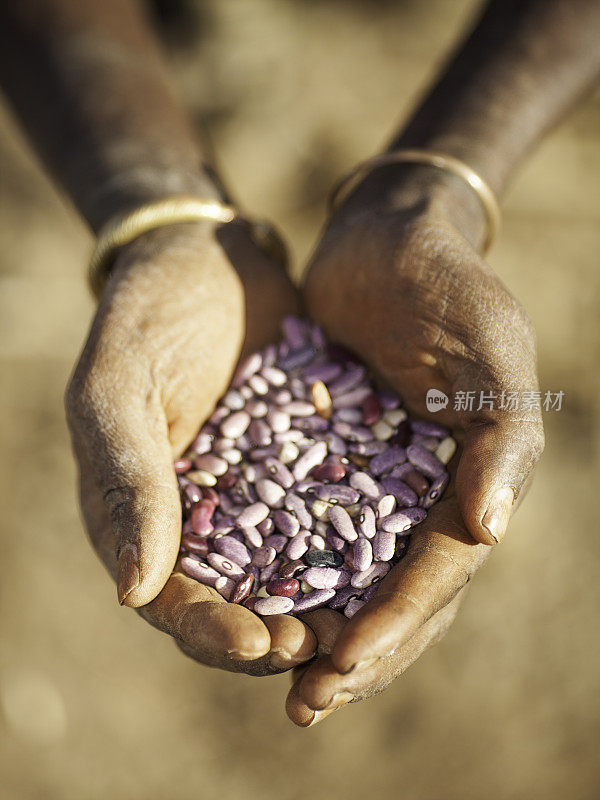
x=403, y=520
x=297, y=358
x=277, y=541
x=326, y=372
x=294, y=331
x=225, y=586
x=335, y=443
x=375, y=572
x=335, y=492
x=342, y=596
x=373, y=448
x=431, y=466
x=195, y=544
x=403, y=493
x=266, y=527
x=334, y=540
x=426, y=428
x=233, y=550
x=350, y=378
x=287, y=523
x=297, y=506
x=263, y=556
x=260, y=433
x=353, y=398
x=386, y=460
x=271, y=569
x=313, y=600
x=369, y=592
x=436, y=489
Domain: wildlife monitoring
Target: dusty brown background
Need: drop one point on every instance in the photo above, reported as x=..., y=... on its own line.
x=94, y=703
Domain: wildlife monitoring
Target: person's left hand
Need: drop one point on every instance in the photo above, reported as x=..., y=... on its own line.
x=406, y=292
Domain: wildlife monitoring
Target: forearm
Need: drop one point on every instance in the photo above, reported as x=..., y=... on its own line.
x=520, y=70
x=88, y=82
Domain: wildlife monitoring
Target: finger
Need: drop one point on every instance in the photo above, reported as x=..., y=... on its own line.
x=497, y=458
x=440, y=560
x=129, y=453
x=292, y=642
x=320, y=689
x=326, y=625
x=205, y=626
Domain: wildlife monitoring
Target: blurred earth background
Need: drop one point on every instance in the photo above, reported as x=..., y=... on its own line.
x=96, y=704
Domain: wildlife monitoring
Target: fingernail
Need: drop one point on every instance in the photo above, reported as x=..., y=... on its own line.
x=495, y=519
x=319, y=716
x=128, y=576
x=338, y=700
x=367, y=662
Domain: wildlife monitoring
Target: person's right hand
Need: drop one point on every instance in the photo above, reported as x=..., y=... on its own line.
x=164, y=342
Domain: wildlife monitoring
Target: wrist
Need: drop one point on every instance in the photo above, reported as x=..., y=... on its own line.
x=416, y=190
x=140, y=184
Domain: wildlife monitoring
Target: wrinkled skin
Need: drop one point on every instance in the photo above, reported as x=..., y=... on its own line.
x=166, y=337
x=408, y=294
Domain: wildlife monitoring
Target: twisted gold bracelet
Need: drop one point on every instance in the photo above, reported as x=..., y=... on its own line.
x=432, y=158
x=123, y=229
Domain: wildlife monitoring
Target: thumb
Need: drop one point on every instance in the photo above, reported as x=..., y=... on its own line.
x=130, y=456
x=498, y=456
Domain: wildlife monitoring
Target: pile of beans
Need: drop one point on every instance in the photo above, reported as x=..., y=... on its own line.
x=300, y=490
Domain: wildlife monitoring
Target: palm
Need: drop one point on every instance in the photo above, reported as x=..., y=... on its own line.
x=164, y=344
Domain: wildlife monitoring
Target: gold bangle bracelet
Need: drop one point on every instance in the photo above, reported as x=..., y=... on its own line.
x=123, y=229
x=440, y=160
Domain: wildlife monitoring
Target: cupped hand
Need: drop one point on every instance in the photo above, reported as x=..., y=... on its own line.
x=179, y=308
x=407, y=293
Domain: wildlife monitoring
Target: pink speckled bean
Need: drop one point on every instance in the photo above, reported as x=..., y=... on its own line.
x=263, y=556
x=298, y=545
x=199, y=570
x=342, y=522
x=267, y=572
x=362, y=553
x=252, y=515
x=266, y=606
x=375, y=572
x=384, y=544
x=223, y=565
